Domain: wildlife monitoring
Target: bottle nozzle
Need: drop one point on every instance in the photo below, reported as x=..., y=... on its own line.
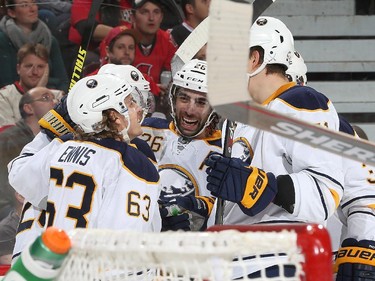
x=57, y=240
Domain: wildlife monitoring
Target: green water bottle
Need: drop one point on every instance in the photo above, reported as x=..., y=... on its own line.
x=42, y=260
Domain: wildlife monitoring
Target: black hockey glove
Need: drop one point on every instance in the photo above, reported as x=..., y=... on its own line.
x=57, y=122
x=234, y=180
x=355, y=260
x=189, y=213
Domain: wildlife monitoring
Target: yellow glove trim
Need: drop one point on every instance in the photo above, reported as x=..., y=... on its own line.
x=255, y=186
x=210, y=201
x=55, y=123
x=355, y=255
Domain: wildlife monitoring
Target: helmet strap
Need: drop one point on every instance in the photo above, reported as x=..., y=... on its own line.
x=124, y=132
x=259, y=69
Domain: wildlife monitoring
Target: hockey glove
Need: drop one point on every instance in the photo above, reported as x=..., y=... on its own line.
x=186, y=213
x=233, y=180
x=57, y=122
x=355, y=260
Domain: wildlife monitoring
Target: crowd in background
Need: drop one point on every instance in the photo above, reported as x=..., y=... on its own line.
x=39, y=42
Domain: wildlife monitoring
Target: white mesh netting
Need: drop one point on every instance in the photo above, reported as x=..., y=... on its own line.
x=226, y=255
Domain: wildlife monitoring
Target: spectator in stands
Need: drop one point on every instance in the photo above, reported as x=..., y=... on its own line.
x=155, y=49
x=118, y=47
x=32, y=106
x=195, y=11
x=21, y=25
x=32, y=68
x=111, y=13
x=53, y=13
x=8, y=230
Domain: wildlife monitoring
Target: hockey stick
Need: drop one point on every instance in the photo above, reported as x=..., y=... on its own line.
x=230, y=126
x=199, y=36
x=86, y=37
x=230, y=50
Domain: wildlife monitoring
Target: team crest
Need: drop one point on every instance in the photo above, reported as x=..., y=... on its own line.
x=261, y=21
x=92, y=83
x=134, y=75
x=178, y=182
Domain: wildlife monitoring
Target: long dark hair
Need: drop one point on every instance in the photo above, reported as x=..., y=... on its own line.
x=108, y=127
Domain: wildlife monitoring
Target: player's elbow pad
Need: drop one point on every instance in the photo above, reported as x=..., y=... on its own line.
x=285, y=196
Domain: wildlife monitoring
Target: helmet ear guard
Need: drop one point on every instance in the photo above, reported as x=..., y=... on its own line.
x=274, y=37
x=92, y=95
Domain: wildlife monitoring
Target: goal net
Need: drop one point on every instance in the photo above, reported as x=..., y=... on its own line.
x=263, y=252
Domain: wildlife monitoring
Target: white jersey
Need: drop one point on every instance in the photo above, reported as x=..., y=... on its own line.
x=32, y=223
x=180, y=160
x=101, y=184
x=317, y=175
x=355, y=217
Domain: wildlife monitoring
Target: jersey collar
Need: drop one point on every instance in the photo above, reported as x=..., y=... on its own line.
x=278, y=92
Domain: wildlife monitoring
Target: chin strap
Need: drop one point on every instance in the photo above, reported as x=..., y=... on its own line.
x=125, y=135
x=259, y=69
x=124, y=132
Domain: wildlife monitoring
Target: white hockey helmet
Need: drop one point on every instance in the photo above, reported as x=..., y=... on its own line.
x=91, y=95
x=135, y=78
x=192, y=76
x=297, y=70
x=276, y=40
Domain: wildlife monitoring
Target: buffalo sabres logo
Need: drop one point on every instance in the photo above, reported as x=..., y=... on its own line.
x=176, y=182
x=92, y=83
x=134, y=75
x=262, y=21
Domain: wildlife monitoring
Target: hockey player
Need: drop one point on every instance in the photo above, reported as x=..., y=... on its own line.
x=282, y=184
x=355, y=257
x=57, y=123
x=85, y=169
x=181, y=147
x=353, y=224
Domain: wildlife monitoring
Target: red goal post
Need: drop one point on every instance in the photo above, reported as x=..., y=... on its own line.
x=312, y=239
x=220, y=254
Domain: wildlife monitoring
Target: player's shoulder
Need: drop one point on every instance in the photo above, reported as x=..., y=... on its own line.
x=156, y=123
x=144, y=148
x=304, y=98
x=134, y=160
x=345, y=126
x=214, y=139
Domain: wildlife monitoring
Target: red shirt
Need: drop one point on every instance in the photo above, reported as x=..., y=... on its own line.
x=159, y=58
x=81, y=8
